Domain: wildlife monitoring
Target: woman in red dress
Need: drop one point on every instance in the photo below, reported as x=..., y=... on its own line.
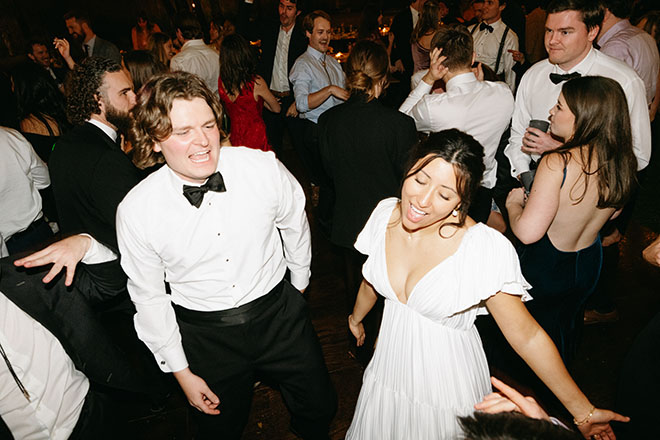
x=244, y=93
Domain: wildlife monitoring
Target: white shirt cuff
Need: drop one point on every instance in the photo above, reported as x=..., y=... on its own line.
x=171, y=360
x=97, y=253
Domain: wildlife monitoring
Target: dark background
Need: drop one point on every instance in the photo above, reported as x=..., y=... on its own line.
x=21, y=20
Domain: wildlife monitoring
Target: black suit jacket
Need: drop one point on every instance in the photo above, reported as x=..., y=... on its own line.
x=402, y=29
x=297, y=46
x=364, y=147
x=68, y=313
x=90, y=175
x=105, y=49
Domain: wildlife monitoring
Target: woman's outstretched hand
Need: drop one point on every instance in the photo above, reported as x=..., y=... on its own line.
x=357, y=329
x=598, y=427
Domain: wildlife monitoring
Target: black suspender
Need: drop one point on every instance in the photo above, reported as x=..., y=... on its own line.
x=501, y=48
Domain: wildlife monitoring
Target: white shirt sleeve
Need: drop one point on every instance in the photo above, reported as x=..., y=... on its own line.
x=292, y=223
x=97, y=252
x=417, y=107
x=507, y=61
x=520, y=119
x=155, y=321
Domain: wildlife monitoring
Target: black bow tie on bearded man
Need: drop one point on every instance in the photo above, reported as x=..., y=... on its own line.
x=486, y=26
x=556, y=78
x=195, y=194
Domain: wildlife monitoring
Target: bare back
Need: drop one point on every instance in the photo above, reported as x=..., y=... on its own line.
x=576, y=225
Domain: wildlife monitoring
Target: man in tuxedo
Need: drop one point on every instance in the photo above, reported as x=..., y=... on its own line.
x=90, y=174
x=80, y=29
x=222, y=226
x=281, y=45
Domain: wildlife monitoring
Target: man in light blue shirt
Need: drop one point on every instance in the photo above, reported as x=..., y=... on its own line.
x=318, y=80
x=318, y=85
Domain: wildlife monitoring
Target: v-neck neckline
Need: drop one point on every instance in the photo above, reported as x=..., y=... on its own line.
x=441, y=263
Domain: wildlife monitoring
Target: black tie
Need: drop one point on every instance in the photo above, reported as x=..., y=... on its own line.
x=556, y=78
x=486, y=26
x=195, y=194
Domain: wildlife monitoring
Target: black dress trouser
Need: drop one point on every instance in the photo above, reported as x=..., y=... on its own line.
x=271, y=338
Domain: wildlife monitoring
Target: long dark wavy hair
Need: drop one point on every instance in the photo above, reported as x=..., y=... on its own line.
x=37, y=95
x=428, y=21
x=83, y=88
x=460, y=150
x=602, y=131
x=238, y=63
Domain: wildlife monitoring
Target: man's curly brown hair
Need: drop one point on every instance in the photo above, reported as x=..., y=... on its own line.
x=84, y=88
x=151, y=115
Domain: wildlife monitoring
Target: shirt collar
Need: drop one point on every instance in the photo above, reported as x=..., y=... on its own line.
x=583, y=66
x=111, y=132
x=315, y=53
x=90, y=44
x=460, y=79
x=496, y=24
x=191, y=43
x=613, y=30
x=289, y=32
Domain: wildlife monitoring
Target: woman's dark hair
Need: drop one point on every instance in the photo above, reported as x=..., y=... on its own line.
x=366, y=68
x=238, y=63
x=460, y=150
x=428, y=21
x=368, y=27
x=511, y=426
x=602, y=131
x=652, y=25
x=37, y=95
x=142, y=65
x=155, y=45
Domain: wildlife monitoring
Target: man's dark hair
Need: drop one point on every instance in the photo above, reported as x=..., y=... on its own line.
x=511, y=426
x=80, y=17
x=619, y=8
x=456, y=44
x=83, y=88
x=34, y=42
x=308, y=21
x=189, y=26
x=591, y=11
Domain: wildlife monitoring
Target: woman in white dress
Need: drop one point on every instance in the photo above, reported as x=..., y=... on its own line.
x=437, y=270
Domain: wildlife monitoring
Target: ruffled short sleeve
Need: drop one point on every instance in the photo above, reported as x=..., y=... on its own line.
x=373, y=231
x=489, y=264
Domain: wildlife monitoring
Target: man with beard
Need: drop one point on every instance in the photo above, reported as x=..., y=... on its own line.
x=80, y=29
x=90, y=173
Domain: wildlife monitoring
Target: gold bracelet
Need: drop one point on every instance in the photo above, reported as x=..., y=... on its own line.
x=586, y=419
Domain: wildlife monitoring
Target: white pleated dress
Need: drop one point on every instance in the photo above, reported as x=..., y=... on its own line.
x=429, y=366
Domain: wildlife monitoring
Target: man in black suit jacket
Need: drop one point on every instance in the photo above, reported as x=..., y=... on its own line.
x=90, y=174
x=402, y=27
x=281, y=44
x=80, y=29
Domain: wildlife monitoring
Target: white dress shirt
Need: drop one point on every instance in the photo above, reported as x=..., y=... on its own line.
x=482, y=109
x=232, y=250
x=22, y=175
x=280, y=79
x=537, y=95
x=111, y=132
x=415, y=16
x=487, y=44
x=57, y=390
x=198, y=58
x=313, y=71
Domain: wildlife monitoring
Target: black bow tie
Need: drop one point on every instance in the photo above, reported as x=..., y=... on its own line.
x=486, y=26
x=195, y=194
x=556, y=78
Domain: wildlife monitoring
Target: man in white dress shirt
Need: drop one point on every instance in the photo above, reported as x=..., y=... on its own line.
x=571, y=27
x=482, y=109
x=195, y=56
x=493, y=41
x=224, y=248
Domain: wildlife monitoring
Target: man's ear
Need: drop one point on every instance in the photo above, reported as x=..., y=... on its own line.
x=156, y=147
x=32, y=57
x=593, y=33
x=99, y=100
x=308, y=35
x=474, y=58
x=298, y=13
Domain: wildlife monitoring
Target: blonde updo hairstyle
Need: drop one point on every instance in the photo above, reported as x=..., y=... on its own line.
x=366, y=69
